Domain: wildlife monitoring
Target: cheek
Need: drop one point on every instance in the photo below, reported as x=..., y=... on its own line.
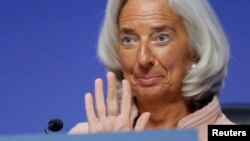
x=174, y=61
x=168, y=58
x=127, y=60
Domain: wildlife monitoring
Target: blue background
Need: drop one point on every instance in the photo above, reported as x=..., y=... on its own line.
x=48, y=59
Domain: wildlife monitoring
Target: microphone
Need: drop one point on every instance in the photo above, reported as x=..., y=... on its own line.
x=54, y=125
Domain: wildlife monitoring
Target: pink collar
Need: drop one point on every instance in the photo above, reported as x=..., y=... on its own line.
x=206, y=115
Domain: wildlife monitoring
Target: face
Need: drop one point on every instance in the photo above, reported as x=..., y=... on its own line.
x=153, y=49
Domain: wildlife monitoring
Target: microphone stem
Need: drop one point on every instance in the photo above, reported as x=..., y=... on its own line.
x=47, y=128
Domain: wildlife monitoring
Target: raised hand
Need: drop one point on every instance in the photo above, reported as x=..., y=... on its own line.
x=107, y=117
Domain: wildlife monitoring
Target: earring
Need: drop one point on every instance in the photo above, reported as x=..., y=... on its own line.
x=193, y=66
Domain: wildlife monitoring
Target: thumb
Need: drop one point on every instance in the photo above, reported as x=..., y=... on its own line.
x=142, y=121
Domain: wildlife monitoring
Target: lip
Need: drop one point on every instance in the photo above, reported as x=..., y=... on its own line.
x=148, y=81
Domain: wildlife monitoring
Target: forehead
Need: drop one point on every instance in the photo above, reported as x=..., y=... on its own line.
x=145, y=10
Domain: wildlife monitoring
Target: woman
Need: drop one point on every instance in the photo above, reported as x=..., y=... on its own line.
x=170, y=59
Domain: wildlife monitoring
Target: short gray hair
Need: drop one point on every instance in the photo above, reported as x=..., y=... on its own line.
x=206, y=37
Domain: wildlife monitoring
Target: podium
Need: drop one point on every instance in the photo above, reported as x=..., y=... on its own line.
x=154, y=135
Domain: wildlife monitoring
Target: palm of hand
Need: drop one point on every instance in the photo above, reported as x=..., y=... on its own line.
x=108, y=119
x=111, y=123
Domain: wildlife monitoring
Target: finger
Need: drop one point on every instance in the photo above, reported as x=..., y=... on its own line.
x=134, y=113
x=112, y=103
x=142, y=121
x=89, y=106
x=99, y=98
x=126, y=98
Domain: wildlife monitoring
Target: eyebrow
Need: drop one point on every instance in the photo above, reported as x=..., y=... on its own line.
x=127, y=30
x=162, y=27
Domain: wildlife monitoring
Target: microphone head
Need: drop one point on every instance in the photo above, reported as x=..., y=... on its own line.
x=55, y=125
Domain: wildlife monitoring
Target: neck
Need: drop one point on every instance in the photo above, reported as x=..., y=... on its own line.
x=164, y=114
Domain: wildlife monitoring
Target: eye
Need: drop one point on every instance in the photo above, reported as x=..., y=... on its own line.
x=128, y=40
x=162, y=37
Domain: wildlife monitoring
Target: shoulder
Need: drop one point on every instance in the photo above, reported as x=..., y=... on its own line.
x=80, y=128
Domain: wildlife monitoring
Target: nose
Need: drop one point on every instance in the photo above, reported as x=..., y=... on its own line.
x=145, y=57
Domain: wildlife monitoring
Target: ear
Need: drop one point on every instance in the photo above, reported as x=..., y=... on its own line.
x=194, y=57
